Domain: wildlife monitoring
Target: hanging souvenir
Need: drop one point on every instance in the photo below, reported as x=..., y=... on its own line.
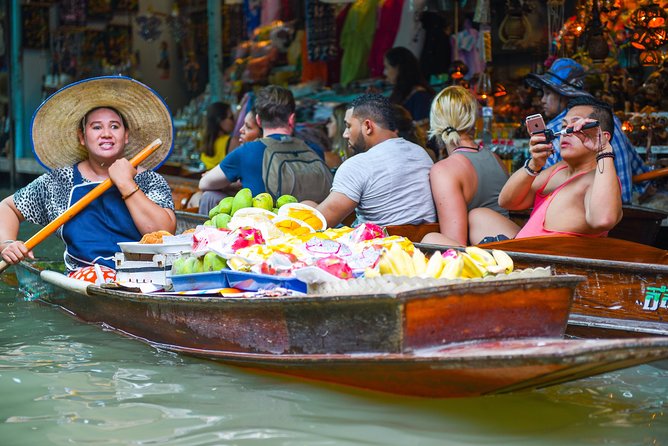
x=149, y=27
x=163, y=62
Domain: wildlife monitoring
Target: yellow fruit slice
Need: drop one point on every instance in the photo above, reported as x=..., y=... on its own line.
x=292, y=226
x=309, y=215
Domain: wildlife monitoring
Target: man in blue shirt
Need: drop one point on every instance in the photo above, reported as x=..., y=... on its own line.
x=275, y=113
x=564, y=81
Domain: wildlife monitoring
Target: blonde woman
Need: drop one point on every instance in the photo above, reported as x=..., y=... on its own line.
x=470, y=176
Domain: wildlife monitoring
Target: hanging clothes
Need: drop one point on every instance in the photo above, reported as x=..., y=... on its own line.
x=468, y=43
x=320, y=31
x=389, y=17
x=311, y=70
x=411, y=33
x=253, y=14
x=334, y=64
x=271, y=10
x=356, y=39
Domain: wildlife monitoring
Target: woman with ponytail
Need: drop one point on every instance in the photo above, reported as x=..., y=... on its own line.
x=470, y=176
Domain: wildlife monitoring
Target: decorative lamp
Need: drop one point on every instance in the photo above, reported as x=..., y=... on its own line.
x=627, y=127
x=499, y=90
x=650, y=57
x=458, y=70
x=650, y=38
x=649, y=15
x=484, y=87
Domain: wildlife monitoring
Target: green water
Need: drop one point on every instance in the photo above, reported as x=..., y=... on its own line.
x=63, y=382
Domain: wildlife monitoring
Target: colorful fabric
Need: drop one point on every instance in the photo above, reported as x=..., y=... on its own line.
x=356, y=38
x=389, y=18
x=535, y=226
x=627, y=161
x=97, y=274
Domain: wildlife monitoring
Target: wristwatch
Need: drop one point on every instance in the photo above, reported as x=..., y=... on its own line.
x=529, y=170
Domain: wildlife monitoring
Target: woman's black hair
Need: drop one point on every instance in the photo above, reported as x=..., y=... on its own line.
x=409, y=74
x=216, y=113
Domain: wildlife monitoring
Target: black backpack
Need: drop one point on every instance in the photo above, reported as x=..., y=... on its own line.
x=289, y=166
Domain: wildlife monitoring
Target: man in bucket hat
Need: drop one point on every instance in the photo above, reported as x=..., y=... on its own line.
x=563, y=81
x=84, y=134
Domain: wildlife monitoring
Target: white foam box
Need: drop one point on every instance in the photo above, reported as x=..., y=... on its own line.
x=145, y=268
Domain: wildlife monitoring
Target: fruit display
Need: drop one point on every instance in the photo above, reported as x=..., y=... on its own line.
x=245, y=234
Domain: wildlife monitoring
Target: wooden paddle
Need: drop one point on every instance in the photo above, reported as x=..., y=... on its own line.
x=82, y=203
x=651, y=175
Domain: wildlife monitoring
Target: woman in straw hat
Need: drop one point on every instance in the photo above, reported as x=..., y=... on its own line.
x=84, y=134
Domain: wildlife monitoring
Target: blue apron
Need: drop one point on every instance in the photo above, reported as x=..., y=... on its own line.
x=92, y=235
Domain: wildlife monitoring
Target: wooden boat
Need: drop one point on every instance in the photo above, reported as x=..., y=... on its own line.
x=622, y=295
x=625, y=292
x=462, y=339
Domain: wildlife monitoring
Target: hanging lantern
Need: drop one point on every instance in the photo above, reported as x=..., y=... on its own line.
x=644, y=39
x=650, y=57
x=649, y=15
x=458, y=70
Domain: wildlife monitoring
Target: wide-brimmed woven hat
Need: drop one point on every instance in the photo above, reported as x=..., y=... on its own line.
x=565, y=76
x=55, y=122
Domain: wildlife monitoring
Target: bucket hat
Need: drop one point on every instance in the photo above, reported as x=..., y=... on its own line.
x=55, y=122
x=565, y=76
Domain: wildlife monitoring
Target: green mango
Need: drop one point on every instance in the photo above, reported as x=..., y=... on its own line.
x=209, y=223
x=225, y=205
x=179, y=265
x=198, y=266
x=213, y=262
x=214, y=211
x=243, y=199
x=190, y=265
x=285, y=199
x=221, y=221
x=275, y=210
x=263, y=201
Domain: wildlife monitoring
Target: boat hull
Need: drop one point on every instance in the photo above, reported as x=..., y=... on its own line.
x=625, y=291
x=459, y=340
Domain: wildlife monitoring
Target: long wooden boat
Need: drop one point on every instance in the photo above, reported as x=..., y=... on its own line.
x=625, y=293
x=621, y=297
x=462, y=339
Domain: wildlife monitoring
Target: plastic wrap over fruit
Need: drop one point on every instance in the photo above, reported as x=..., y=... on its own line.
x=278, y=264
x=366, y=231
x=205, y=236
x=319, y=247
x=366, y=258
x=335, y=266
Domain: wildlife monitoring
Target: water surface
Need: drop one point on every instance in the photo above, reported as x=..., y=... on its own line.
x=64, y=382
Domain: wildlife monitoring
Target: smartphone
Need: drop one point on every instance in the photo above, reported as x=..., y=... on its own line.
x=535, y=124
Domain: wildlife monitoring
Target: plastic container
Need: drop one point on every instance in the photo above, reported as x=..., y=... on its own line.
x=200, y=281
x=255, y=282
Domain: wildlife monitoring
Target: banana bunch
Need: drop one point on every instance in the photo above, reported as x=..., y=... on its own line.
x=452, y=264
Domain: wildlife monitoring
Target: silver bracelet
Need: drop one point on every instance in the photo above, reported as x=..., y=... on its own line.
x=7, y=242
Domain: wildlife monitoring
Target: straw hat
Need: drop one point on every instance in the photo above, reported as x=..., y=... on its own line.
x=565, y=76
x=55, y=122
